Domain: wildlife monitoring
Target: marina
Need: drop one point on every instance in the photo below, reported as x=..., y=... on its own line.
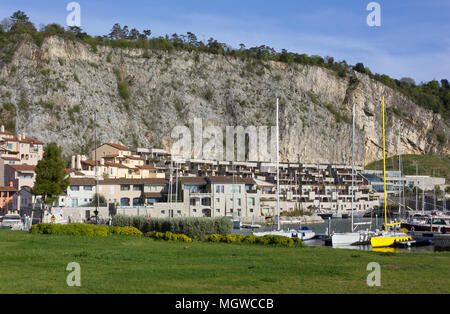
x=424, y=242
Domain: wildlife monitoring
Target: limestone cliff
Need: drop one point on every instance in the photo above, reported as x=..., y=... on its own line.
x=56, y=88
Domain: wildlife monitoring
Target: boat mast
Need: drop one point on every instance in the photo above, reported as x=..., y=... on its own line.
x=96, y=166
x=353, y=159
x=400, y=190
x=278, y=172
x=384, y=174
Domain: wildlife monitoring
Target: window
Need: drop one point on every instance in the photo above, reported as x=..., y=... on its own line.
x=236, y=189
x=220, y=189
x=151, y=201
x=124, y=187
x=74, y=188
x=217, y=200
x=217, y=210
x=239, y=202
x=251, y=201
x=124, y=201
x=136, y=201
x=88, y=188
x=136, y=188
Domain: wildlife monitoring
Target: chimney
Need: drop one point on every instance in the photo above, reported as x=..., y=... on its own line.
x=73, y=165
x=20, y=137
x=3, y=128
x=102, y=161
x=23, y=135
x=11, y=184
x=78, y=162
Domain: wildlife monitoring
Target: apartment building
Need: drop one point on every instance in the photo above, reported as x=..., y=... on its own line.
x=17, y=149
x=6, y=198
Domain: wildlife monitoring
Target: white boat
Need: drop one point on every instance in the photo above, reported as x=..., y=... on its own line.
x=12, y=221
x=302, y=234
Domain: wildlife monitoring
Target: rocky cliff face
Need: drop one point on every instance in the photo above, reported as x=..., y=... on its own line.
x=57, y=88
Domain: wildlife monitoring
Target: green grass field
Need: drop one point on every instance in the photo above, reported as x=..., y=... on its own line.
x=33, y=263
x=431, y=165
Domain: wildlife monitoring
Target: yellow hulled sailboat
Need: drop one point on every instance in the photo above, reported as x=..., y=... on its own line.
x=387, y=238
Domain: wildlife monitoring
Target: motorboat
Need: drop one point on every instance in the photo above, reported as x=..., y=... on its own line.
x=12, y=221
x=303, y=234
x=440, y=224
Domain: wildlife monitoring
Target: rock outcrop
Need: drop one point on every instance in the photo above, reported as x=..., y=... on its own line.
x=57, y=88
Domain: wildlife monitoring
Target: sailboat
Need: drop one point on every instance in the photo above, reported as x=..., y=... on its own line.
x=387, y=237
x=304, y=233
x=350, y=238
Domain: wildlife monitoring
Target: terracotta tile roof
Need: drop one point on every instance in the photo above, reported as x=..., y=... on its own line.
x=31, y=140
x=119, y=147
x=78, y=173
x=197, y=180
x=111, y=156
x=82, y=181
x=146, y=167
x=249, y=180
x=133, y=157
x=8, y=188
x=23, y=167
x=10, y=158
x=112, y=164
x=148, y=181
x=90, y=162
x=226, y=179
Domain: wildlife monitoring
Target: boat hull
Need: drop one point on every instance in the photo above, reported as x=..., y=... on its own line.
x=385, y=241
x=302, y=234
x=345, y=238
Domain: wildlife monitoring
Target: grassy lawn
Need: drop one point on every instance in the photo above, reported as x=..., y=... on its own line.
x=32, y=263
x=431, y=165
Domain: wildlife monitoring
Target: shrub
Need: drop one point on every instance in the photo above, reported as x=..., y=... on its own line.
x=196, y=228
x=252, y=239
x=83, y=229
x=168, y=236
x=130, y=231
x=123, y=90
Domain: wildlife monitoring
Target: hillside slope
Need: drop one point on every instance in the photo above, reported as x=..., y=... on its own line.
x=52, y=92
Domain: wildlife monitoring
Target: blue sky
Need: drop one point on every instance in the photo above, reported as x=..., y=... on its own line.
x=412, y=41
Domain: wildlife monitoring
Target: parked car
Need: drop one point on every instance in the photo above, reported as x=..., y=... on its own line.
x=12, y=221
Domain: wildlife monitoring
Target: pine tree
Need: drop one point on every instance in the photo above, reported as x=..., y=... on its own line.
x=51, y=177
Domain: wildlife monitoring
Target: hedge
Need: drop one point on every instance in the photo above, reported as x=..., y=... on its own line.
x=195, y=228
x=168, y=236
x=83, y=229
x=266, y=240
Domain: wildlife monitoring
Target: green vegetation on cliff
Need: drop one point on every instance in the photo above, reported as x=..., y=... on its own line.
x=433, y=95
